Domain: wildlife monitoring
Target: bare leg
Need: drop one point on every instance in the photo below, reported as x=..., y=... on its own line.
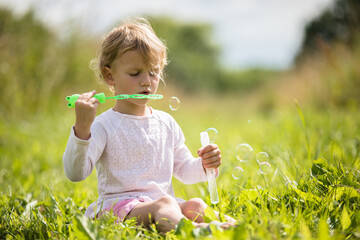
x=165, y=212
x=194, y=210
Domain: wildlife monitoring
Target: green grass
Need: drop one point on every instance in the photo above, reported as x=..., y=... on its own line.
x=312, y=192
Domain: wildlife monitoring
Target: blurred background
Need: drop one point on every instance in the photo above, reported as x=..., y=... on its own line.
x=268, y=53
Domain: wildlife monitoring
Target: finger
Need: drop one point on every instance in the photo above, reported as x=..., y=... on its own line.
x=93, y=100
x=90, y=94
x=206, y=149
x=213, y=162
x=87, y=96
x=210, y=147
x=211, y=159
x=96, y=105
x=200, y=152
x=210, y=154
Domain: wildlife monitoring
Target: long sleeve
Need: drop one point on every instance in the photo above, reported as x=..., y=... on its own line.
x=187, y=169
x=80, y=156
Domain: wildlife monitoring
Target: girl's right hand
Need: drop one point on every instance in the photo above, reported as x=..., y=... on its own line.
x=85, y=111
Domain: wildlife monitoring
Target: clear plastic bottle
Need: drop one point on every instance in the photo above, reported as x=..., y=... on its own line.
x=210, y=172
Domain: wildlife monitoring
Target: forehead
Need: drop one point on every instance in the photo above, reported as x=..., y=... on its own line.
x=133, y=58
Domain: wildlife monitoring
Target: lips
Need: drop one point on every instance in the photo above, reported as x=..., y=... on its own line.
x=145, y=92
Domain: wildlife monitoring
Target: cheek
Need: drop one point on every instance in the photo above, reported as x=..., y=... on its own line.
x=155, y=82
x=123, y=81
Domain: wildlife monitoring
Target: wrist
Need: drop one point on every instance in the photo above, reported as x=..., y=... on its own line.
x=82, y=132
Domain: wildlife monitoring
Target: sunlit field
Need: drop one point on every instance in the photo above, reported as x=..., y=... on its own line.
x=310, y=191
x=299, y=179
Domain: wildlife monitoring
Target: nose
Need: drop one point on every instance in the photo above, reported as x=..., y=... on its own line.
x=145, y=81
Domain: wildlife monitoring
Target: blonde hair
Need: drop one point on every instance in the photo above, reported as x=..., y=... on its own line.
x=133, y=34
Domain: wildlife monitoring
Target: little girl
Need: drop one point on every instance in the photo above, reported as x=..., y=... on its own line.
x=135, y=148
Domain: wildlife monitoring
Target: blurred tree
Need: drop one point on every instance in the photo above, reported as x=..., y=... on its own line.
x=192, y=54
x=340, y=23
x=331, y=47
x=23, y=45
x=195, y=59
x=37, y=66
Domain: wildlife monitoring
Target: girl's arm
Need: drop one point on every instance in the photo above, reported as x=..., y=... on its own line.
x=82, y=149
x=76, y=166
x=80, y=155
x=191, y=170
x=187, y=168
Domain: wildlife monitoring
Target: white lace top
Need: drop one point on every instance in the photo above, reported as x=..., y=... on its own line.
x=135, y=156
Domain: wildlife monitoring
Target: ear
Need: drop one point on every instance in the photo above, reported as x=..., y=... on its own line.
x=109, y=78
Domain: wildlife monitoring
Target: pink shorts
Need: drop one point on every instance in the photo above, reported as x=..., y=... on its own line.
x=123, y=207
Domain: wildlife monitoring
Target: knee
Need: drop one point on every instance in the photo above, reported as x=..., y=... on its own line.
x=196, y=205
x=166, y=201
x=194, y=209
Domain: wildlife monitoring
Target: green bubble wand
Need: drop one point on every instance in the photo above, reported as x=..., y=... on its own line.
x=101, y=97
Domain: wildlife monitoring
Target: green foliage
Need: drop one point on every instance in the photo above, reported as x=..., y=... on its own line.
x=194, y=60
x=301, y=197
x=339, y=23
x=311, y=192
x=36, y=67
x=338, y=83
x=245, y=80
x=332, y=46
x=39, y=67
x=193, y=57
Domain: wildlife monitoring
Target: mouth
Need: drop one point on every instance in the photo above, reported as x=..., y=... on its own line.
x=145, y=92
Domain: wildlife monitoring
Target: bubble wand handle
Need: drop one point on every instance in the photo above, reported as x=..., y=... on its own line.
x=101, y=97
x=72, y=99
x=210, y=172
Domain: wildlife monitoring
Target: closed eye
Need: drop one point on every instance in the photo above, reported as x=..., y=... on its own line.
x=134, y=74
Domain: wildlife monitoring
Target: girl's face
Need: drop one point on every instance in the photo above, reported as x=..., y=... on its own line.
x=129, y=74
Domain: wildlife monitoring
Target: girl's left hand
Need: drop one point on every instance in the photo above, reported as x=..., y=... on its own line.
x=210, y=156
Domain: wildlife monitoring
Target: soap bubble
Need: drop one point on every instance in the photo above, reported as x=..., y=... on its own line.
x=244, y=152
x=264, y=167
x=262, y=157
x=213, y=134
x=238, y=173
x=174, y=103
